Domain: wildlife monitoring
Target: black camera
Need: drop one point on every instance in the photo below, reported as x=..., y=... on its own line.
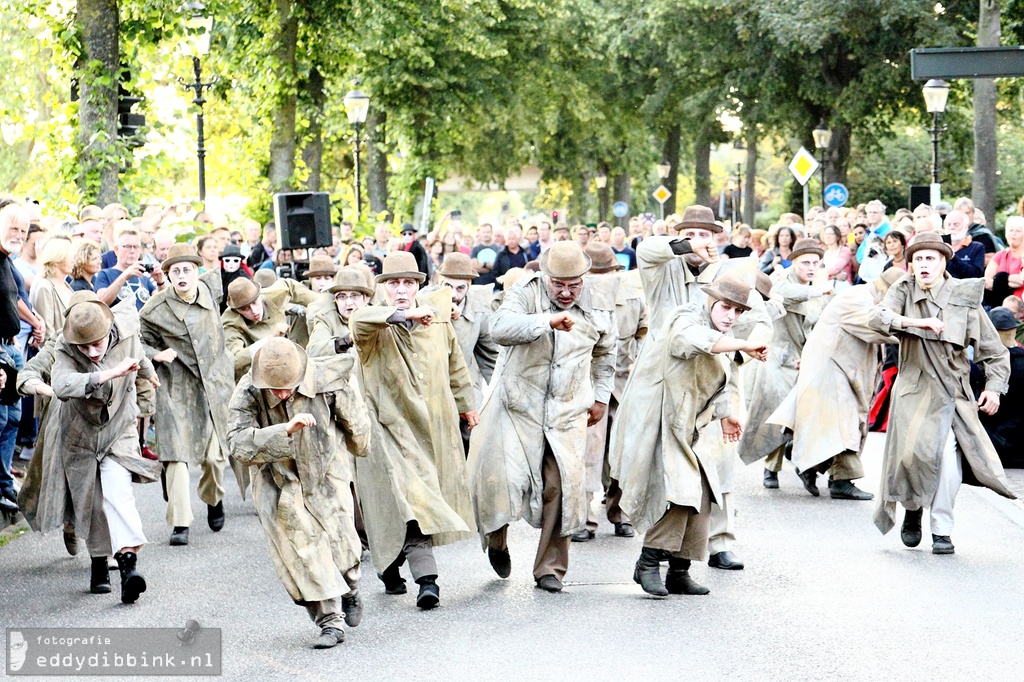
x=148, y=268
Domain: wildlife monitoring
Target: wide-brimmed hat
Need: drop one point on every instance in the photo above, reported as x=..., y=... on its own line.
x=700, y=218
x=350, y=279
x=931, y=241
x=180, y=253
x=564, y=260
x=242, y=292
x=264, y=277
x=888, y=278
x=279, y=364
x=763, y=284
x=1002, y=318
x=511, y=276
x=87, y=320
x=802, y=247
x=231, y=251
x=730, y=289
x=320, y=266
x=602, y=258
x=457, y=265
x=400, y=264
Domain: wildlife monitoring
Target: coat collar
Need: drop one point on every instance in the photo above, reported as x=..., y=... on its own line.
x=941, y=298
x=180, y=308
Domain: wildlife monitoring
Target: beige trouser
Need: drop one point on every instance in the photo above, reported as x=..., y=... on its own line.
x=843, y=467
x=553, y=548
x=683, y=531
x=211, y=485
x=326, y=613
x=773, y=462
x=722, y=525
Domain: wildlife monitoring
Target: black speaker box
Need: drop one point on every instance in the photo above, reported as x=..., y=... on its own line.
x=920, y=194
x=303, y=220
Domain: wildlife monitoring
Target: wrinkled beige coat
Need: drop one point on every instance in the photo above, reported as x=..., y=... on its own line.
x=473, y=329
x=416, y=386
x=544, y=386
x=44, y=497
x=777, y=376
x=932, y=393
x=301, y=483
x=664, y=460
x=827, y=409
x=326, y=325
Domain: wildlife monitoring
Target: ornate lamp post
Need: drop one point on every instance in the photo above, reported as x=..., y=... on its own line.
x=357, y=104
x=200, y=19
x=738, y=154
x=936, y=92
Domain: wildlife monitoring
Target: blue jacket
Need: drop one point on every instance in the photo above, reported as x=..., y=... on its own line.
x=968, y=262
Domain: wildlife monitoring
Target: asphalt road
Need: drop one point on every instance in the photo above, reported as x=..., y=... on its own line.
x=824, y=596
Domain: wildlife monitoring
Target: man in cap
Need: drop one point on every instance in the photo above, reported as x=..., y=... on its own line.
x=329, y=333
x=803, y=302
x=255, y=313
x=101, y=375
x=827, y=408
x=183, y=336
x=630, y=319
x=411, y=245
x=296, y=422
x=668, y=489
x=556, y=378
x=413, y=484
x=1006, y=427
x=471, y=318
x=935, y=440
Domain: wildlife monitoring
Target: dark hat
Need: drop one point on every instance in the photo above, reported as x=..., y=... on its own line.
x=931, y=241
x=320, y=266
x=802, y=247
x=1002, y=319
x=400, y=264
x=457, y=265
x=602, y=258
x=231, y=251
x=242, y=292
x=407, y=227
x=280, y=364
x=88, y=319
x=730, y=289
x=180, y=253
x=699, y=217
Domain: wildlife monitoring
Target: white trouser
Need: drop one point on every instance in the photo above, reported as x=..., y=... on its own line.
x=950, y=476
x=722, y=530
x=123, y=520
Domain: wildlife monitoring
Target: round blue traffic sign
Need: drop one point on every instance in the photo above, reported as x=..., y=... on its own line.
x=836, y=194
x=620, y=209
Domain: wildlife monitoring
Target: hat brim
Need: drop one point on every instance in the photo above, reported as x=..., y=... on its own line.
x=412, y=274
x=820, y=253
x=259, y=290
x=195, y=260
x=261, y=381
x=457, y=275
x=698, y=225
x=338, y=288
x=543, y=262
x=943, y=248
x=739, y=305
x=600, y=269
x=77, y=339
x=310, y=274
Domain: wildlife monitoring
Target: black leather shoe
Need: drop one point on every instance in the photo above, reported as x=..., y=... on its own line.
x=501, y=561
x=430, y=594
x=725, y=560
x=215, y=516
x=941, y=544
x=771, y=480
x=647, y=573
x=549, y=583
x=329, y=637
x=678, y=580
x=179, y=536
x=585, y=535
x=624, y=530
x=846, y=490
x=910, y=533
x=393, y=581
x=352, y=607
x=99, y=579
x=132, y=582
x=810, y=481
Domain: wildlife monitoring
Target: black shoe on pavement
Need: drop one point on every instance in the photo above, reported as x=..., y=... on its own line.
x=179, y=536
x=132, y=582
x=430, y=593
x=549, y=583
x=329, y=637
x=215, y=516
x=678, y=580
x=771, y=479
x=725, y=560
x=910, y=533
x=393, y=581
x=501, y=561
x=941, y=544
x=585, y=535
x=99, y=579
x=624, y=529
x=647, y=573
x=352, y=607
x=846, y=490
x=810, y=481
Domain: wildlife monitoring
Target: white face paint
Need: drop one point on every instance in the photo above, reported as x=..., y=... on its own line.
x=320, y=284
x=231, y=263
x=184, y=277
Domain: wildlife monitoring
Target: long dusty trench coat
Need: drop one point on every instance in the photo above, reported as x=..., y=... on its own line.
x=777, y=376
x=301, y=482
x=544, y=386
x=473, y=329
x=416, y=385
x=827, y=409
x=99, y=422
x=932, y=393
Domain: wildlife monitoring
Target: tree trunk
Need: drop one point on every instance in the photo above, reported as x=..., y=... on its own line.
x=670, y=153
x=702, y=170
x=622, y=194
x=986, y=179
x=97, y=106
x=603, y=212
x=750, y=181
x=282, y=137
x=312, y=152
x=377, y=162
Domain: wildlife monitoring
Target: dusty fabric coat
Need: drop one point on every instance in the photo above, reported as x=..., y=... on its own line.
x=326, y=325
x=301, y=483
x=827, y=409
x=473, y=329
x=416, y=385
x=98, y=422
x=932, y=393
x=544, y=387
x=51, y=303
x=777, y=376
x=665, y=464
x=240, y=333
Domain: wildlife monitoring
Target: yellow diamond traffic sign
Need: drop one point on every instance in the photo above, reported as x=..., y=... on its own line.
x=803, y=166
x=661, y=194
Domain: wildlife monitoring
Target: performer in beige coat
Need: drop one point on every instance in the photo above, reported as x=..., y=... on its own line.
x=554, y=378
x=329, y=333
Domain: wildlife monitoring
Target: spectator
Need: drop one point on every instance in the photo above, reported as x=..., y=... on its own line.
x=253, y=233
x=895, y=247
x=582, y=235
x=561, y=232
x=1004, y=275
x=512, y=256
x=623, y=254
x=1006, y=427
x=758, y=242
x=162, y=242
x=836, y=259
x=382, y=235
x=209, y=250
x=14, y=222
x=127, y=280
x=604, y=233
x=739, y=243
x=347, y=232
x=27, y=262
x=877, y=226
x=50, y=294
x=85, y=265
x=968, y=256
x=781, y=246
x=1016, y=306
x=411, y=245
x=485, y=254
x=976, y=227
x=264, y=250
x=544, y=240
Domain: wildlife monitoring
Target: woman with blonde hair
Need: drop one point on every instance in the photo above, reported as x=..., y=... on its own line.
x=86, y=262
x=50, y=294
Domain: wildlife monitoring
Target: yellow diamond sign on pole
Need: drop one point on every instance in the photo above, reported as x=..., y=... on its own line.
x=803, y=166
x=661, y=194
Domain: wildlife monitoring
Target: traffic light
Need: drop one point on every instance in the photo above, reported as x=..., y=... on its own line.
x=129, y=125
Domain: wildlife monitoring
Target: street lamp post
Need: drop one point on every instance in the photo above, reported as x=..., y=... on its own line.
x=738, y=152
x=664, y=169
x=601, y=181
x=357, y=104
x=199, y=19
x=822, y=140
x=936, y=92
